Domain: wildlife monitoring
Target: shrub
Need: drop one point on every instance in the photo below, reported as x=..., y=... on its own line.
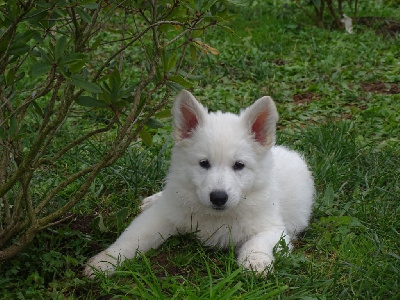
x=335, y=10
x=63, y=70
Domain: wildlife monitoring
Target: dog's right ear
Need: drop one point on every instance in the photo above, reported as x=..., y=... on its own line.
x=261, y=118
x=187, y=114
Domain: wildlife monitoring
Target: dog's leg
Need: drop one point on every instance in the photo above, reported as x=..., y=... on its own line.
x=148, y=230
x=149, y=201
x=257, y=253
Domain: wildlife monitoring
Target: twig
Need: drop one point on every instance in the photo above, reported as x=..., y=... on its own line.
x=74, y=143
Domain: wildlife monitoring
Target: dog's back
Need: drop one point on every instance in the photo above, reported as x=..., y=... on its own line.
x=297, y=187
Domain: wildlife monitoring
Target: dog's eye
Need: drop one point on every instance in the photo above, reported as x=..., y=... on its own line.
x=239, y=165
x=205, y=164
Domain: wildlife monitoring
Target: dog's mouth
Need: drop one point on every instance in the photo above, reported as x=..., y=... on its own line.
x=215, y=207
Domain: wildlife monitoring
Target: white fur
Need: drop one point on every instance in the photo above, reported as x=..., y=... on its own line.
x=270, y=198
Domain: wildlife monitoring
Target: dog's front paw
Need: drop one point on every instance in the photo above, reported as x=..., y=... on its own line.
x=259, y=262
x=102, y=262
x=149, y=201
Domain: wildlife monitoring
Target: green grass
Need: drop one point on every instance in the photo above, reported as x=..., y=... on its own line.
x=349, y=136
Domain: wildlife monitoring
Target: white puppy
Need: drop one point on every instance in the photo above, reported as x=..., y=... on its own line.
x=227, y=182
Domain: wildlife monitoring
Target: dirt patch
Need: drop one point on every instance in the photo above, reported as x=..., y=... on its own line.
x=76, y=222
x=172, y=263
x=381, y=88
x=279, y=62
x=81, y=224
x=382, y=26
x=305, y=98
x=162, y=264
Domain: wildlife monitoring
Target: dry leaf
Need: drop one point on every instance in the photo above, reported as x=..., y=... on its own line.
x=206, y=48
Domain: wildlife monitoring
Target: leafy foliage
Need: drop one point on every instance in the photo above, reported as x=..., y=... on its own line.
x=63, y=70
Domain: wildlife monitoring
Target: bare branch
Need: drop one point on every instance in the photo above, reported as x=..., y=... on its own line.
x=23, y=241
x=134, y=39
x=63, y=185
x=74, y=143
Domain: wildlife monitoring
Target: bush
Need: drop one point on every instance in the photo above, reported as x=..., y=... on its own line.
x=335, y=10
x=63, y=70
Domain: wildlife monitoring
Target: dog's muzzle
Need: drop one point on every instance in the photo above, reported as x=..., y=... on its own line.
x=218, y=199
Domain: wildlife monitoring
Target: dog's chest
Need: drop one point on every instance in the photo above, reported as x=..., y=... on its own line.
x=223, y=232
x=217, y=234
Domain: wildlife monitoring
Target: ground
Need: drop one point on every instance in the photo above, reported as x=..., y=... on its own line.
x=338, y=97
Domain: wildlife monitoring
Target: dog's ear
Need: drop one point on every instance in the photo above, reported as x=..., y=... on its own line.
x=261, y=118
x=187, y=114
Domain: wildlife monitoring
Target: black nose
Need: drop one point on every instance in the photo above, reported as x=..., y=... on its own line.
x=218, y=198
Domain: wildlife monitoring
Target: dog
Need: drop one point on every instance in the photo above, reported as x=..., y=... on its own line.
x=227, y=182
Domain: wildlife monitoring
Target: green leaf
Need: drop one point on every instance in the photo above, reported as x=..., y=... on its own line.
x=45, y=57
x=77, y=66
x=193, y=52
x=115, y=80
x=172, y=62
x=3, y=133
x=174, y=86
x=179, y=14
x=18, y=48
x=10, y=76
x=38, y=109
x=39, y=68
x=74, y=61
x=88, y=101
x=166, y=113
x=190, y=4
x=90, y=5
x=43, y=4
x=26, y=36
x=37, y=14
x=101, y=225
x=198, y=33
x=154, y=123
x=181, y=81
x=146, y=137
x=74, y=57
x=122, y=214
x=4, y=41
x=19, y=76
x=96, y=44
x=63, y=71
x=105, y=96
x=60, y=47
x=214, y=19
x=80, y=82
x=13, y=9
x=208, y=5
x=84, y=15
x=160, y=73
x=13, y=126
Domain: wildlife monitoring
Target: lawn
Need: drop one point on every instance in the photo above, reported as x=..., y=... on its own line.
x=338, y=96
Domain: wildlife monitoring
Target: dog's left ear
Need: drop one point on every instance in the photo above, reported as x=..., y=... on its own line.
x=261, y=118
x=187, y=114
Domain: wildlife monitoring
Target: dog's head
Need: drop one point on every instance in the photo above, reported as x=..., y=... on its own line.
x=222, y=157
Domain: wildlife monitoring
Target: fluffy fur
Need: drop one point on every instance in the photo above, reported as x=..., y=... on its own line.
x=228, y=182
